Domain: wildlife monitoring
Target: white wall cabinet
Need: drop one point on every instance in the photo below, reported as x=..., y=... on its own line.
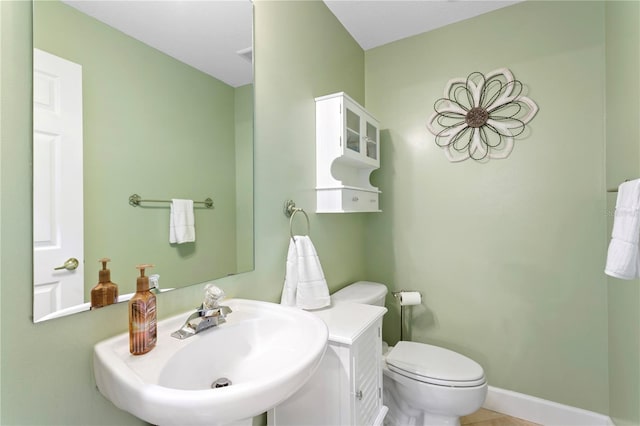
x=347, y=151
x=346, y=390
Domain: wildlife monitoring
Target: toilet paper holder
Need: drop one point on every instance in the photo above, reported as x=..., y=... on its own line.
x=397, y=295
x=411, y=293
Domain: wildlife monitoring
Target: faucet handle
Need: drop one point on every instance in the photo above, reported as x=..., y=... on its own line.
x=154, y=283
x=212, y=294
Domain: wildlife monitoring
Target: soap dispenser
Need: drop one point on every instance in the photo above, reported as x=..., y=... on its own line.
x=142, y=316
x=105, y=292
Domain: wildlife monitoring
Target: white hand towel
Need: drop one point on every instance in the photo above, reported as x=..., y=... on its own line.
x=304, y=283
x=181, y=222
x=623, y=257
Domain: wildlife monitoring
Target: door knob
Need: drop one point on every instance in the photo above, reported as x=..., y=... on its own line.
x=71, y=264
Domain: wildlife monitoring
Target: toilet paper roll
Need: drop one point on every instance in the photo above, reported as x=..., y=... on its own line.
x=408, y=298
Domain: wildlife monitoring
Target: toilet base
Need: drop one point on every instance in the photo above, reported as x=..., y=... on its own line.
x=400, y=414
x=413, y=403
x=435, y=419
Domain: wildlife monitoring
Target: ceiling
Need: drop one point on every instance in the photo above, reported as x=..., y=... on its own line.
x=209, y=34
x=202, y=33
x=373, y=23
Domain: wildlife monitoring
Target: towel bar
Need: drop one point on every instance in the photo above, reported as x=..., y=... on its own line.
x=616, y=189
x=135, y=201
x=290, y=211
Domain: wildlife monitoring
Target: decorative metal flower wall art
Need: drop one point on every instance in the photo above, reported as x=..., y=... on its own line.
x=480, y=116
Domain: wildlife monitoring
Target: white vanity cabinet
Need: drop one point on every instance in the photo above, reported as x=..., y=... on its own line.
x=346, y=389
x=347, y=151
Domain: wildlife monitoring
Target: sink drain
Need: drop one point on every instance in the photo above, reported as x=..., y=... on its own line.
x=221, y=383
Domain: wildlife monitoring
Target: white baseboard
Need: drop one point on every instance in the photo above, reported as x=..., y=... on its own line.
x=541, y=411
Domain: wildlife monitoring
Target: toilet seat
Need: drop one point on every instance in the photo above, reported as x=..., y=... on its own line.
x=434, y=365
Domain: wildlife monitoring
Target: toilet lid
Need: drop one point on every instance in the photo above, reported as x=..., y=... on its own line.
x=365, y=292
x=435, y=365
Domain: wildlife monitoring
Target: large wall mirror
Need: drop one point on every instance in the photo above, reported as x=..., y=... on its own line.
x=152, y=98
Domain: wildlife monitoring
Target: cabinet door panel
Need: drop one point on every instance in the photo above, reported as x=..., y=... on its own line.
x=367, y=387
x=352, y=130
x=371, y=139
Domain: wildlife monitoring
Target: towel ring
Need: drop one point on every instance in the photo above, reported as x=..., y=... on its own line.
x=290, y=211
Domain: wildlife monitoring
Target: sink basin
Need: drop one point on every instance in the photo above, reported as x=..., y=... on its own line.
x=267, y=352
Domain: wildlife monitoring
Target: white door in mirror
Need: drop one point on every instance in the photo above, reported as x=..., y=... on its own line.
x=57, y=184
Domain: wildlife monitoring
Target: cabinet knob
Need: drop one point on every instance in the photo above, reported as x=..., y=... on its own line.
x=359, y=395
x=355, y=198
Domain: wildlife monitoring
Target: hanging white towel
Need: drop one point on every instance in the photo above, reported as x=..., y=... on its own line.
x=623, y=257
x=304, y=283
x=181, y=222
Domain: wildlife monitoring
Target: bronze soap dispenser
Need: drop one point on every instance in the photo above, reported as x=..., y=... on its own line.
x=105, y=292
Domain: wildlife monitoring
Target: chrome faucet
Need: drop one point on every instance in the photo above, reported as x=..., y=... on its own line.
x=202, y=319
x=209, y=314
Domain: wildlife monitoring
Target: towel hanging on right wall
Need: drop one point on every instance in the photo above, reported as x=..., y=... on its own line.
x=623, y=256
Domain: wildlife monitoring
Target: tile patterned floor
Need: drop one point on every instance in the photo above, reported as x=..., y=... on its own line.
x=484, y=417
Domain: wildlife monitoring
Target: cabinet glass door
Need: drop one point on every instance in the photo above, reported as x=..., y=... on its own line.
x=353, y=131
x=372, y=141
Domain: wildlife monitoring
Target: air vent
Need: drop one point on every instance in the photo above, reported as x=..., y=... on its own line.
x=246, y=54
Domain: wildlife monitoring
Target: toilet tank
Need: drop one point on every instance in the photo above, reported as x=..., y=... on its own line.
x=365, y=292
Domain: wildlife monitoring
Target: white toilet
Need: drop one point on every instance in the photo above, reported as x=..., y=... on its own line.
x=423, y=384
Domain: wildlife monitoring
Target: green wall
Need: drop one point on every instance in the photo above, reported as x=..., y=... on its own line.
x=244, y=176
x=156, y=127
x=508, y=254
x=622, y=162
x=46, y=368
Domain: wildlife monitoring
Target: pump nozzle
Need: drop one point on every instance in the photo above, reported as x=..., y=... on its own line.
x=104, y=275
x=143, y=282
x=104, y=261
x=142, y=267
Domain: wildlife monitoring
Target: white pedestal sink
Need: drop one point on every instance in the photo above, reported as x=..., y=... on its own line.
x=267, y=351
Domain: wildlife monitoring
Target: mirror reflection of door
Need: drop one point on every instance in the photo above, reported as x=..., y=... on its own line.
x=57, y=184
